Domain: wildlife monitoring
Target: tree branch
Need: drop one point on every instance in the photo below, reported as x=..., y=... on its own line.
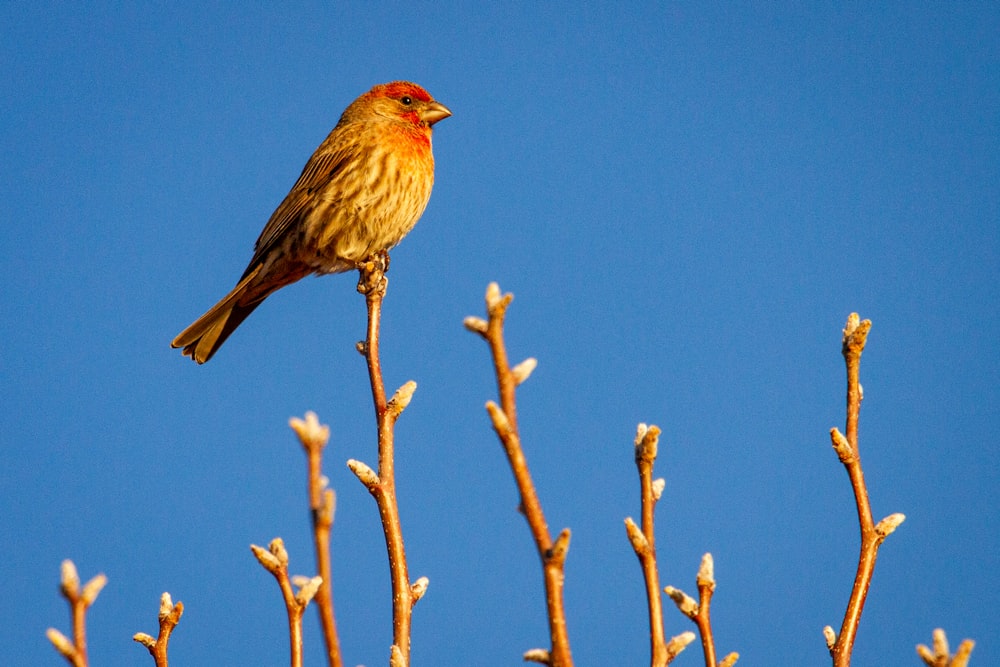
x=79, y=600
x=382, y=484
x=322, y=504
x=504, y=419
x=169, y=616
x=872, y=535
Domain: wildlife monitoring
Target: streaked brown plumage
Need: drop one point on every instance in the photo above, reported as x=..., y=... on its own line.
x=359, y=194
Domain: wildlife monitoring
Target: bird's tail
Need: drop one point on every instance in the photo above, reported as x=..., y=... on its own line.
x=207, y=334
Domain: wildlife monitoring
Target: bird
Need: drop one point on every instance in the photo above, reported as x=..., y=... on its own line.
x=361, y=192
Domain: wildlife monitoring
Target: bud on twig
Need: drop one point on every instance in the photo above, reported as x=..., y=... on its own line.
x=678, y=644
x=538, y=655
x=146, y=640
x=646, y=442
x=840, y=445
x=476, y=325
x=523, y=370
x=887, y=525
x=70, y=580
x=635, y=535
x=658, y=485
x=706, y=573
x=92, y=589
x=685, y=603
x=396, y=658
x=499, y=418
x=492, y=295
x=266, y=558
x=310, y=432
x=308, y=590
x=419, y=587
x=730, y=660
x=401, y=398
x=61, y=642
x=830, y=636
x=364, y=473
x=166, y=606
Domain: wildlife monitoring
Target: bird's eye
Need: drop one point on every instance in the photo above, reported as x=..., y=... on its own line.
x=407, y=100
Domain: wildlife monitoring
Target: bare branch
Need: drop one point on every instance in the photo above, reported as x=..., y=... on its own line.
x=504, y=419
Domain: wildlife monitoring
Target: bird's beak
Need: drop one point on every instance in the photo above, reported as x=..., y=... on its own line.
x=433, y=112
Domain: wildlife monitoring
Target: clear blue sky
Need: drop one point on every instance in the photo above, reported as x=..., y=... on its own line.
x=687, y=201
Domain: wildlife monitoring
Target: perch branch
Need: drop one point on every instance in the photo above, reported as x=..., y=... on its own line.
x=382, y=484
x=504, y=420
x=872, y=534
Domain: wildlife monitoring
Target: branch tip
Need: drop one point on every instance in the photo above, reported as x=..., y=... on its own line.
x=266, y=558
x=706, y=572
x=646, y=442
x=855, y=335
x=310, y=432
x=146, y=640
x=69, y=579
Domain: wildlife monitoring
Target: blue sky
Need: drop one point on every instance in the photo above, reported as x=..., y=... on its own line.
x=687, y=201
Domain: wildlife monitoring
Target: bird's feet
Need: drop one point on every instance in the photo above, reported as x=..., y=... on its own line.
x=371, y=278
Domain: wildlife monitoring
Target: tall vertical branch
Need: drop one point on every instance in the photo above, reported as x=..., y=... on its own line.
x=504, y=419
x=643, y=538
x=322, y=503
x=872, y=534
x=382, y=484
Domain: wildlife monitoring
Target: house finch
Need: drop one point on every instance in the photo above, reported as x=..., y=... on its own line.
x=359, y=194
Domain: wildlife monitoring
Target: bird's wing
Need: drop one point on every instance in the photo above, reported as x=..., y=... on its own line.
x=322, y=168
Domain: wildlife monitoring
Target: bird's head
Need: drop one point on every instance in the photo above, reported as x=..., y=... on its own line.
x=399, y=101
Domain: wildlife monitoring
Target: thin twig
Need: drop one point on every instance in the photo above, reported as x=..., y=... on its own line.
x=940, y=655
x=274, y=559
x=322, y=503
x=872, y=535
x=169, y=616
x=382, y=484
x=699, y=611
x=504, y=419
x=79, y=599
x=644, y=539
